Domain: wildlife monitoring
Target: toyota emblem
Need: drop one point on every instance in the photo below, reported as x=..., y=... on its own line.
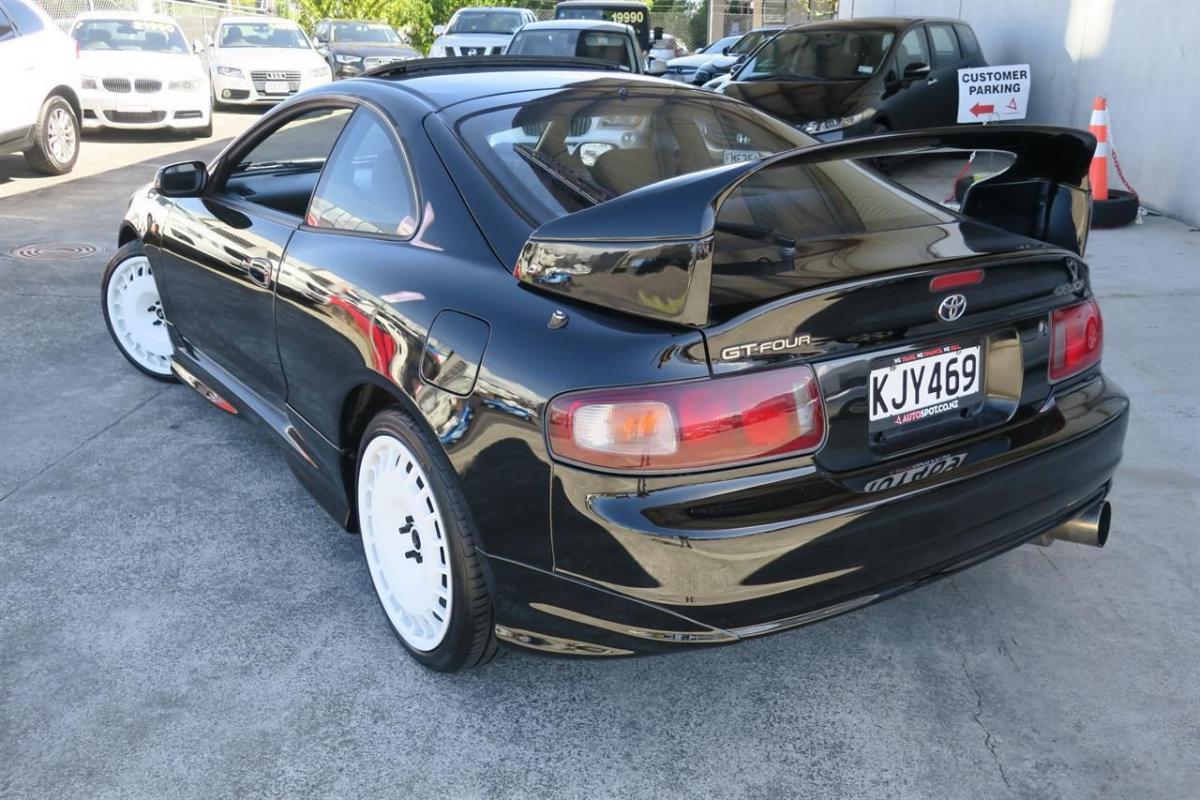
x=952, y=307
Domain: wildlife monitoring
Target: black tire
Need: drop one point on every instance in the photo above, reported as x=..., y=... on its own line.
x=126, y=252
x=470, y=639
x=1119, y=209
x=40, y=155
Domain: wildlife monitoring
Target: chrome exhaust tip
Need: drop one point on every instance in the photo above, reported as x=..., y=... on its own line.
x=1090, y=527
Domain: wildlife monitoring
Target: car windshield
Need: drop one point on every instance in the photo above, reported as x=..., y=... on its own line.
x=604, y=45
x=578, y=147
x=489, y=21
x=831, y=55
x=364, y=33
x=261, y=34
x=130, y=35
x=749, y=42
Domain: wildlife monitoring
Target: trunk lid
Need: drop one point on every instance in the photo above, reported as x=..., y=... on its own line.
x=881, y=317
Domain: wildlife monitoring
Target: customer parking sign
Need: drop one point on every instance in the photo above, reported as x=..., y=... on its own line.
x=993, y=94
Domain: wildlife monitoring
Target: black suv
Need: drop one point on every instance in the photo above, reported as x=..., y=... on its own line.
x=851, y=77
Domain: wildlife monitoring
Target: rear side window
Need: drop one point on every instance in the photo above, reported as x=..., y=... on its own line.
x=24, y=17
x=945, y=44
x=366, y=186
x=966, y=38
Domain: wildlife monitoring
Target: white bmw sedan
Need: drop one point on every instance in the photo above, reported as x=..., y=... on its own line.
x=262, y=60
x=137, y=72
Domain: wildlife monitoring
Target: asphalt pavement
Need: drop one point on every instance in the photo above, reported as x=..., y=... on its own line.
x=179, y=619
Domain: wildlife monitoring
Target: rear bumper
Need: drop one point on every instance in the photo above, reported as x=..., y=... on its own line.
x=646, y=566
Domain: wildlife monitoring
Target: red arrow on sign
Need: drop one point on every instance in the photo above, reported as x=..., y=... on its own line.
x=979, y=109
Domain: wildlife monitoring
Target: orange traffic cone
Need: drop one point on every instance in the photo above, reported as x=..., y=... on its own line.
x=1098, y=173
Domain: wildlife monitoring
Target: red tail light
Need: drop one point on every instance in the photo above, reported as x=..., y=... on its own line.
x=693, y=425
x=1076, y=339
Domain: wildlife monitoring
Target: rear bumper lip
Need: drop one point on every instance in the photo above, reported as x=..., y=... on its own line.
x=749, y=581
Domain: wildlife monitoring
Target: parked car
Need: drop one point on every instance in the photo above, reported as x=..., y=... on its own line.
x=138, y=73
x=719, y=384
x=39, y=115
x=856, y=76
x=625, y=12
x=719, y=46
x=700, y=69
x=257, y=60
x=581, y=38
x=353, y=46
x=664, y=47
x=478, y=31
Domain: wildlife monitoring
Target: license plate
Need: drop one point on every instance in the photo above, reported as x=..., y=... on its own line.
x=915, y=387
x=738, y=156
x=276, y=87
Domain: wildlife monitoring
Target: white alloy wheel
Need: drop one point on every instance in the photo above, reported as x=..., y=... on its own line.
x=136, y=316
x=60, y=135
x=404, y=539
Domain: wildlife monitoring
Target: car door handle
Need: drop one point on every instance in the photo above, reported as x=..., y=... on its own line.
x=259, y=270
x=932, y=82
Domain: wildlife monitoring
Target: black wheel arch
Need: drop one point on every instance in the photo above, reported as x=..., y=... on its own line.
x=361, y=404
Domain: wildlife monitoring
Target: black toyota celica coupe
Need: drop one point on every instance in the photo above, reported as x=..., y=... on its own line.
x=599, y=364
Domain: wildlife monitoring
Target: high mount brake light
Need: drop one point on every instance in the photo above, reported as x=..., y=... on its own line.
x=1076, y=339
x=681, y=426
x=952, y=280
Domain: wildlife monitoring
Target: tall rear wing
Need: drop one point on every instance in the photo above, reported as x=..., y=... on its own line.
x=649, y=252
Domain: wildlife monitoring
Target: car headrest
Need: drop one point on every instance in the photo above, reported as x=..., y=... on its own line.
x=622, y=171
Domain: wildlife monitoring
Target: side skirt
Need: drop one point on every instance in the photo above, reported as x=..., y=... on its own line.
x=314, y=460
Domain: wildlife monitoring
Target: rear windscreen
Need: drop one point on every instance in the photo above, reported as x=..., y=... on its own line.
x=602, y=45
x=637, y=18
x=579, y=147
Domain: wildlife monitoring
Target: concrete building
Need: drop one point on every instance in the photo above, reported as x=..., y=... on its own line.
x=1140, y=54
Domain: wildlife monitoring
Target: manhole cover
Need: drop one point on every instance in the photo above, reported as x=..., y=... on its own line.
x=53, y=251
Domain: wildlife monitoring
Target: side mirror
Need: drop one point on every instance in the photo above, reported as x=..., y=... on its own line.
x=438, y=30
x=197, y=46
x=656, y=67
x=186, y=179
x=916, y=71
x=725, y=50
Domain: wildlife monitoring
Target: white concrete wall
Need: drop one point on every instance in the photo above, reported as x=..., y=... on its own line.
x=1144, y=55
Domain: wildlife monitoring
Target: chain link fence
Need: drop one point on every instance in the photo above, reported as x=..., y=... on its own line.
x=731, y=18
x=197, y=18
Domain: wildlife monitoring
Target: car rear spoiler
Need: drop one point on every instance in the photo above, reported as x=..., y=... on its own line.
x=649, y=252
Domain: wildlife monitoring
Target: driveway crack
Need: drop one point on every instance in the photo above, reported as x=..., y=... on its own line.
x=80, y=446
x=988, y=741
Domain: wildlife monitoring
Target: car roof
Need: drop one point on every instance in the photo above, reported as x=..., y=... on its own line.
x=605, y=3
x=873, y=23
x=576, y=24
x=489, y=8
x=441, y=89
x=125, y=15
